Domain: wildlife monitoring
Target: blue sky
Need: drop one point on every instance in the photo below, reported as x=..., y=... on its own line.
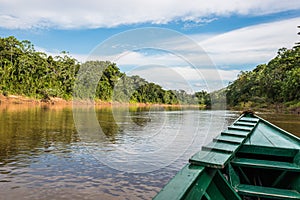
x=236, y=35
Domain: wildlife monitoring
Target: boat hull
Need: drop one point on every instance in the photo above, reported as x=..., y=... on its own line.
x=251, y=159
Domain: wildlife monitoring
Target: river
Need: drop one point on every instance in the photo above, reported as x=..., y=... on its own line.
x=53, y=152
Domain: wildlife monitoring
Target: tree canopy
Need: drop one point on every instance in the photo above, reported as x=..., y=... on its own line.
x=25, y=71
x=277, y=82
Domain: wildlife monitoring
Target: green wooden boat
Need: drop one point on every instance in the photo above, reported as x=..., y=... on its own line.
x=251, y=159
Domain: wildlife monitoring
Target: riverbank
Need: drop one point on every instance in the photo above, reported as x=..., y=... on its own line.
x=59, y=102
x=270, y=108
x=55, y=101
x=18, y=99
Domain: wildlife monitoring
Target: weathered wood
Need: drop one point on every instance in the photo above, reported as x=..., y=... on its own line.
x=229, y=139
x=210, y=159
x=265, y=164
x=249, y=119
x=242, y=123
x=221, y=147
x=267, y=192
x=224, y=187
x=240, y=128
x=182, y=183
x=251, y=142
x=215, y=154
x=267, y=134
x=270, y=151
x=235, y=133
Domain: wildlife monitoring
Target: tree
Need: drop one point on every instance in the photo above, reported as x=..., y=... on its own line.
x=275, y=82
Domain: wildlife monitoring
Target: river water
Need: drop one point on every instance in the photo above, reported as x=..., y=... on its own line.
x=52, y=152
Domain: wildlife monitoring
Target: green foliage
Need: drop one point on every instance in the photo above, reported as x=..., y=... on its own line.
x=24, y=71
x=203, y=98
x=272, y=83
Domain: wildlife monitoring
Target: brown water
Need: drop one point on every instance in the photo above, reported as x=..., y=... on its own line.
x=45, y=155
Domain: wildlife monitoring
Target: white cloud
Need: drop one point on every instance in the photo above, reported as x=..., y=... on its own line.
x=253, y=44
x=245, y=46
x=137, y=59
x=185, y=77
x=249, y=45
x=69, y=14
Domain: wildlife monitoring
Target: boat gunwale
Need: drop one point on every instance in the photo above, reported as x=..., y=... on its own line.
x=280, y=129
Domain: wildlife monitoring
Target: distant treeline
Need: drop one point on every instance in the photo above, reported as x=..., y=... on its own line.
x=25, y=71
x=277, y=82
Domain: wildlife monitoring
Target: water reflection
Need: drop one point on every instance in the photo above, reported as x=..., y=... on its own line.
x=42, y=155
x=29, y=130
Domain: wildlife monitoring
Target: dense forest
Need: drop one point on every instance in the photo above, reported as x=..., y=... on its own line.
x=25, y=71
x=274, y=83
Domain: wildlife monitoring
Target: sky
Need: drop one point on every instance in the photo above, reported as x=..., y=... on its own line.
x=192, y=45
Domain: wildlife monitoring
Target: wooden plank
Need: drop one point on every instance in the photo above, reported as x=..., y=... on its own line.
x=265, y=164
x=266, y=192
x=247, y=124
x=249, y=119
x=181, y=183
x=221, y=146
x=263, y=150
x=224, y=187
x=274, y=136
x=230, y=139
x=200, y=186
x=210, y=159
x=218, y=153
x=235, y=133
x=234, y=178
x=292, y=138
x=240, y=128
x=214, y=192
x=261, y=139
x=267, y=135
x=279, y=179
x=207, y=196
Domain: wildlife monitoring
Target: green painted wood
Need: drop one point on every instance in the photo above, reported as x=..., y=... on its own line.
x=235, y=133
x=247, y=124
x=279, y=179
x=295, y=183
x=224, y=187
x=207, y=197
x=229, y=139
x=183, y=181
x=199, y=188
x=267, y=192
x=210, y=159
x=214, y=192
x=265, y=164
x=265, y=150
x=240, y=128
x=297, y=158
x=282, y=132
x=248, y=136
x=221, y=146
x=249, y=119
x=234, y=178
x=267, y=134
x=218, y=153
x=244, y=175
